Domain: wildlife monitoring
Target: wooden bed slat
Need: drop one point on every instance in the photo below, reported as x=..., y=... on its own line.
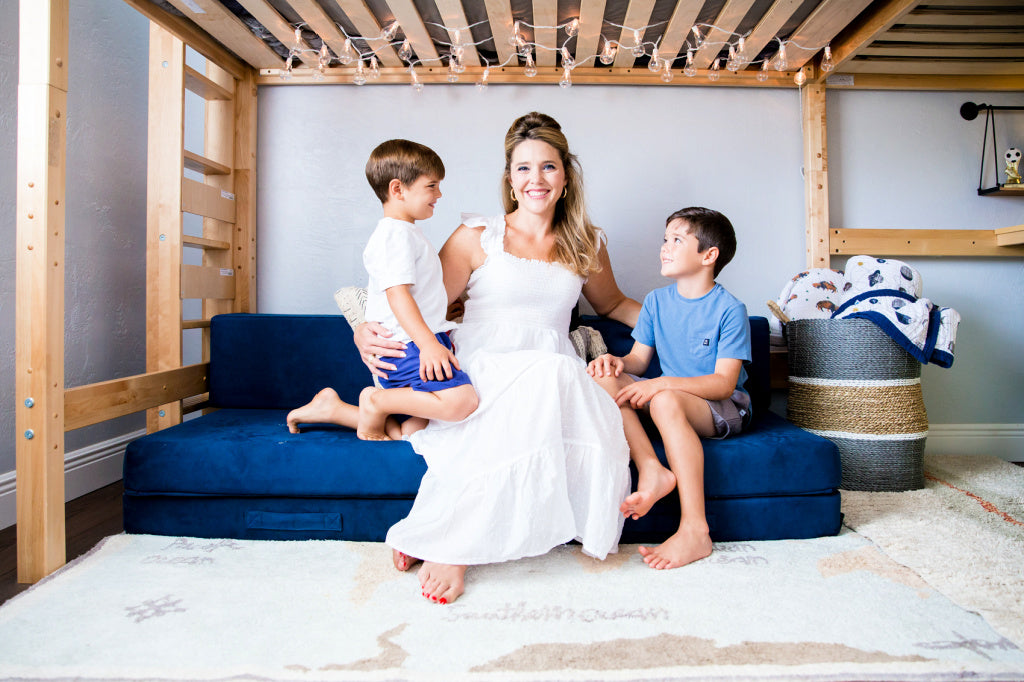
x=95, y=403
x=499, y=16
x=199, y=281
x=414, y=29
x=270, y=19
x=638, y=15
x=591, y=23
x=823, y=24
x=358, y=14
x=866, y=30
x=726, y=22
x=230, y=31
x=545, y=13
x=771, y=23
x=207, y=201
x=678, y=29
x=454, y=18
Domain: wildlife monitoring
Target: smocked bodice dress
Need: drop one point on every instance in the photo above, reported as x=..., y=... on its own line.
x=543, y=460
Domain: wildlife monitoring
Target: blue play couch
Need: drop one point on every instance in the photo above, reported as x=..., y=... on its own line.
x=237, y=472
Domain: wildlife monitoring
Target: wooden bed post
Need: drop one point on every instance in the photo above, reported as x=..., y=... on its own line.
x=815, y=174
x=244, y=261
x=39, y=339
x=163, y=212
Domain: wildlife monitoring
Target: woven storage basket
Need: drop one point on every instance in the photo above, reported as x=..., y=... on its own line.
x=854, y=385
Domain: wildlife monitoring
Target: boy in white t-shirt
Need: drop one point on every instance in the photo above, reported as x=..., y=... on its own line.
x=406, y=294
x=701, y=333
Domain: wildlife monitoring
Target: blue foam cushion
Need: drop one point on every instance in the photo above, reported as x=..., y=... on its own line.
x=280, y=361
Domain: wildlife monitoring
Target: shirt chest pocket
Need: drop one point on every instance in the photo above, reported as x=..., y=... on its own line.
x=703, y=342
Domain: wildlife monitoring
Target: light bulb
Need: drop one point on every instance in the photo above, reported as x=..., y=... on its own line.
x=780, y=59
x=414, y=80
x=638, y=43
x=666, y=70
x=762, y=74
x=346, y=55
x=405, y=51
x=800, y=77
x=453, y=75
x=325, y=57
x=513, y=38
x=689, y=70
x=566, y=81
x=390, y=32
x=655, y=64
x=740, y=46
x=374, y=67
x=732, y=64
x=460, y=66
x=359, y=77
x=698, y=38
x=572, y=28
x=457, y=38
x=298, y=37
x=567, y=60
x=714, y=74
x=482, y=83
x=286, y=75
x=530, y=70
x=608, y=54
x=458, y=51
x=826, y=63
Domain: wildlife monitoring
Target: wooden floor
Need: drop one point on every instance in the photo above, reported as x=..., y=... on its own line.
x=90, y=518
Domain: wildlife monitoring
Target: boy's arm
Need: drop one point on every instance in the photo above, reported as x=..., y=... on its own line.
x=716, y=386
x=435, y=359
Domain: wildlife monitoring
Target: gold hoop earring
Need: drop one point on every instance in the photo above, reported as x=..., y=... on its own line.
x=565, y=191
x=512, y=193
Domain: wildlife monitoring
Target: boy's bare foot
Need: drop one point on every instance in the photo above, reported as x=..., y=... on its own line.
x=653, y=483
x=684, y=547
x=372, y=421
x=319, y=410
x=402, y=561
x=442, y=583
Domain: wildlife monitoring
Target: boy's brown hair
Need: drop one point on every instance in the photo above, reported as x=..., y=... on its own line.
x=401, y=160
x=709, y=228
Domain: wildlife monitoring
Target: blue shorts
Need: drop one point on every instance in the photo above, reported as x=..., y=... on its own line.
x=407, y=370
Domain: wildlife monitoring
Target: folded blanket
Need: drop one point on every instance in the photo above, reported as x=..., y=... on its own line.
x=812, y=294
x=865, y=273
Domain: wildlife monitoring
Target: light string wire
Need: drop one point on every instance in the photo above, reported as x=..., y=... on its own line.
x=524, y=49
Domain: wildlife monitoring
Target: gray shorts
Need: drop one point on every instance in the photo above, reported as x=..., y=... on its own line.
x=731, y=415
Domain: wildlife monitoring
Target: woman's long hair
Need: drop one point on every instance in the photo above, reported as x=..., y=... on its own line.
x=577, y=240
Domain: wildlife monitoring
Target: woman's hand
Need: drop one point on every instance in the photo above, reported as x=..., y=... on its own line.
x=371, y=338
x=606, y=365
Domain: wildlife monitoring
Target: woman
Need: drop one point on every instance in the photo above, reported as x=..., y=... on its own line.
x=543, y=460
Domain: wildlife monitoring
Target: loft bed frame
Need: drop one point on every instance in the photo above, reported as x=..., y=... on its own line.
x=884, y=44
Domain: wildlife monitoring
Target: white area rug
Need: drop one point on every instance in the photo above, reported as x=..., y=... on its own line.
x=831, y=608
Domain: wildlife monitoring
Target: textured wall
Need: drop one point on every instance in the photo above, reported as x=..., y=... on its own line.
x=903, y=160
x=106, y=205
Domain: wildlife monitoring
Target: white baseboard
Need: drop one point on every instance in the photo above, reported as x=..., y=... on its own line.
x=85, y=470
x=1005, y=441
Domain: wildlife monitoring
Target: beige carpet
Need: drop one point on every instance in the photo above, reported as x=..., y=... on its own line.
x=963, y=534
x=897, y=600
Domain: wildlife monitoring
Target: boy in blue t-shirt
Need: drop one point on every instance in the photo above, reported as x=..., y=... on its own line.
x=702, y=336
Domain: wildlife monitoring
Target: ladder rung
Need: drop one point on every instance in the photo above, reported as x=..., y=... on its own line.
x=195, y=324
x=196, y=402
x=201, y=164
x=204, y=87
x=203, y=243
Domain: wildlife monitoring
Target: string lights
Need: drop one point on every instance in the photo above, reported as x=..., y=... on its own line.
x=367, y=65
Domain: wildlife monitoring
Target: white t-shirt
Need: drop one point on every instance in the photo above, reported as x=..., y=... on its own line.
x=399, y=253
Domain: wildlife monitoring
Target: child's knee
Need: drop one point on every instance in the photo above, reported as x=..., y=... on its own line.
x=462, y=402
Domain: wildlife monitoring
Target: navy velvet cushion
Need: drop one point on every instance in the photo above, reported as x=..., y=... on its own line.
x=241, y=452
x=281, y=361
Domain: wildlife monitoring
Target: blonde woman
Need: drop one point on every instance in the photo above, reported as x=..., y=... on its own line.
x=543, y=460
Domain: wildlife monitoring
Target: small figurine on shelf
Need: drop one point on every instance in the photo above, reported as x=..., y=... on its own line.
x=1012, y=157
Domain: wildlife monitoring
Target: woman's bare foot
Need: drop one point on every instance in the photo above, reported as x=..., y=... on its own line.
x=685, y=546
x=402, y=561
x=322, y=409
x=442, y=583
x=653, y=483
x=372, y=422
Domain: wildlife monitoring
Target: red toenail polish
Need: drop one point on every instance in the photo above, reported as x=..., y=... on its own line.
x=442, y=600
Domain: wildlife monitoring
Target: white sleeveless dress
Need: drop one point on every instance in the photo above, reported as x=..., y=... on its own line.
x=543, y=460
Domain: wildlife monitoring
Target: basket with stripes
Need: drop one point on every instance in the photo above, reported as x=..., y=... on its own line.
x=851, y=383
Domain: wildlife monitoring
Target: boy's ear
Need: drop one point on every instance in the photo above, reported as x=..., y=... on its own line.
x=395, y=189
x=710, y=255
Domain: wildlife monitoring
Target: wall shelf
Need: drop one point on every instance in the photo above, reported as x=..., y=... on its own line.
x=969, y=111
